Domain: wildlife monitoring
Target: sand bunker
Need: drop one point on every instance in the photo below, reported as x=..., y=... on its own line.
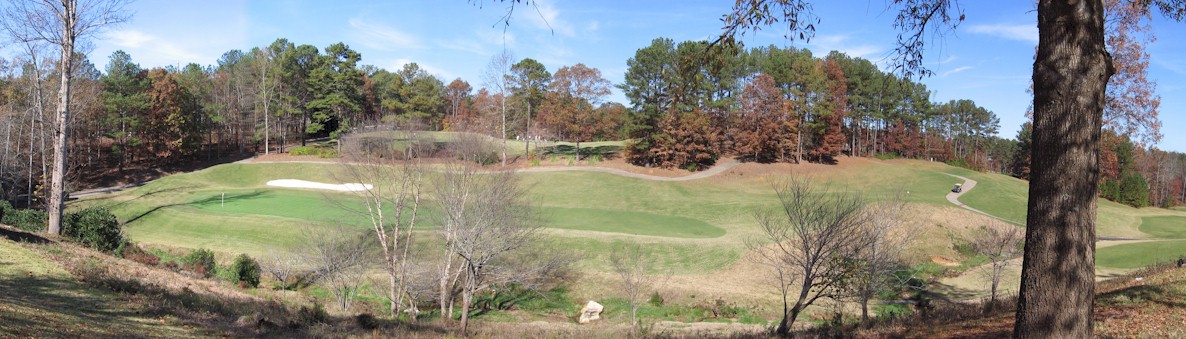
x=351, y=187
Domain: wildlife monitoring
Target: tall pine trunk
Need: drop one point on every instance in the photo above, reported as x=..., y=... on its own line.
x=1071, y=73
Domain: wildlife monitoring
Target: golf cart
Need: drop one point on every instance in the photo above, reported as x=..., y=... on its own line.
x=958, y=188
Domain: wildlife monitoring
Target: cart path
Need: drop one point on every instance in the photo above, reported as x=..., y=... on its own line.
x=968, y=184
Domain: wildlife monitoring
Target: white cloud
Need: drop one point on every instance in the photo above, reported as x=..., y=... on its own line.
x=497, y=38
x=956, y=70
x=826, y=43
x=129, y=38
x=593, y=26
x=545, y=16
x=152, y=51
x=382, y=37
x=1027, y=32
x=556, y=55
x=464, y=45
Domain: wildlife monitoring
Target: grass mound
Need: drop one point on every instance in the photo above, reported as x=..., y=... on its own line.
x=1140, y=254
x=1165, y=227
x=629, y=222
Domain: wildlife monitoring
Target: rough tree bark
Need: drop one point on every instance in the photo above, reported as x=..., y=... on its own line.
x=1070, y=74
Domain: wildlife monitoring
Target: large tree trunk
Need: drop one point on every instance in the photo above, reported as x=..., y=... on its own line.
x=1070, y=75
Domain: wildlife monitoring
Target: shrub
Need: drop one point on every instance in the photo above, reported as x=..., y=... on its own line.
x=134, y=253
x=320, y=152
x=245, y=270
x=95, y=227
x=200, y=261
x=656, y=299
x=27, y=219
x=5, y=206
x=1134, y=190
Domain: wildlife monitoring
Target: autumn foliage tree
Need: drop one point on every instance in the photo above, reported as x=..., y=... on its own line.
x=570, y=108
x=1131, y=100
x=173, y=123
x=762, y=128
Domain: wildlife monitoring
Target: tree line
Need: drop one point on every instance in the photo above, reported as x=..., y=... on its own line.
x=692, y=103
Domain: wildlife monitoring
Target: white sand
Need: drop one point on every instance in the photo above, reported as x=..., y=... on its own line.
x=351, y=187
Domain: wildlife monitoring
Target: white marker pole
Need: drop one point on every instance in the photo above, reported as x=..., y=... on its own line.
x=223, y=202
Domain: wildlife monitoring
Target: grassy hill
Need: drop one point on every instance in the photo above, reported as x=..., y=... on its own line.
x=696, y=229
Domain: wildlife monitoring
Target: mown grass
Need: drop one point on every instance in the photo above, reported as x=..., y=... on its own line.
x=705, y=221
x=665, y=257
x=1002, y=196
x=1166, y=227
x=629, y=222
x=1137, y=255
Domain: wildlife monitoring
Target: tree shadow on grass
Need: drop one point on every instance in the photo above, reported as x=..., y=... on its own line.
x=207, y=201
x=20, y=236
x=1143, y=293
x=38, y=306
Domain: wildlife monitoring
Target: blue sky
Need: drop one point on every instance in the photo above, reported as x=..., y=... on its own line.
x=987, y=59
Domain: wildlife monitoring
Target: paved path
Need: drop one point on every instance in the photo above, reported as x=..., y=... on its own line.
x=954, y=198
x=103, y=190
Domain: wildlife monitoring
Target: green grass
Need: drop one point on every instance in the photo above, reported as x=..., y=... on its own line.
x=999, y=195
x=629, y=222
x=696, y=226
x=40, y=299
x=1166, y=227
x=1137, y=255
x=665, y=257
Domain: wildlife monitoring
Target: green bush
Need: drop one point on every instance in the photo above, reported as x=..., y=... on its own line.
x=1134, y=190
x=656, y=299
x=200, y=261
x=95, y=227
x=27, y=219
x=318, y=151
x=245, y=271
x=1110, y=190
x=5, y=206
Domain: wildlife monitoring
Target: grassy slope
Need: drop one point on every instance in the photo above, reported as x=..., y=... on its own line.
x=1166, y=227
x=40, y=299
x=702, y=224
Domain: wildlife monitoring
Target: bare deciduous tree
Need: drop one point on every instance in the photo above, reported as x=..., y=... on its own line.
x=498, y=78
x=64, y=23
x=284, y=267
x=392, y=204
x=337, y=257
x=487, y=218
x=1000, y=243
x=811, y=240
x=637, y=273
x=886, y=233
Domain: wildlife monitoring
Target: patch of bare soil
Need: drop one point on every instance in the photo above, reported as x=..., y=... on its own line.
x=944, y=261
